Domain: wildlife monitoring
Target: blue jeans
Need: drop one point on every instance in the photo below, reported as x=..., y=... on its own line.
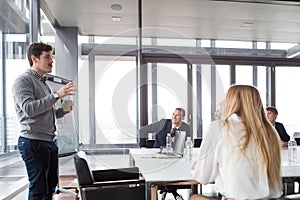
x=41, y=161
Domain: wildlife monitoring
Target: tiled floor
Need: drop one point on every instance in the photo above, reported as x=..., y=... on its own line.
x=13, y=178
x=64, y=181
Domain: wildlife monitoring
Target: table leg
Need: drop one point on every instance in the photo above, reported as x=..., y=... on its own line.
x=194, y=188
x=153, y=192
x=289, y=188
x=289, y=185
x=131, y=161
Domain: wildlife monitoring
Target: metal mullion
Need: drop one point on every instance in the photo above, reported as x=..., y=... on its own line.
x=92, y=117
x=3, y=104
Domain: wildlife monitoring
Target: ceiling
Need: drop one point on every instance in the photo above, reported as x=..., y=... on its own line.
x=12, y=20
x=275, y=21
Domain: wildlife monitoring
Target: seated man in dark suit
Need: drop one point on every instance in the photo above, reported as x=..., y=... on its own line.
x=172, y=127
x=272, y=115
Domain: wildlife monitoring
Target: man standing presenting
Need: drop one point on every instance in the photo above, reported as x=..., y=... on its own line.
x=34, y=104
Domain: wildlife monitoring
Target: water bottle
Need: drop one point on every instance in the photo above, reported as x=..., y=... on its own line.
x=169, y=143
x=292, y=152
x=189, y=148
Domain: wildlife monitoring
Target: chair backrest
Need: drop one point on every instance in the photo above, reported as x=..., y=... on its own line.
x=197, y=142
x=184, y=126
x=84, y=174
x=116, y=174
x=291, y=196
x=155, y=127
x=296, y=136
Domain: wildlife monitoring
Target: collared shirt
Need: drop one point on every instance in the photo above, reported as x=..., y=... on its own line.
x=235, y=175
x=174, y=131
x=37, y=75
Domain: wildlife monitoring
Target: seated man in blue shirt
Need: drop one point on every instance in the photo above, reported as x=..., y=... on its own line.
x=272, y=114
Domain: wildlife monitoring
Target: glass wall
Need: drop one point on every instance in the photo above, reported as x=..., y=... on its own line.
x=244, y=75
x=2, y=142
x=213, y=86
x=262, y=83
x=13, y=63
x=206, y=95
x=116, y=78
x=288, y=97
x=222, y=82
x=115, y=100
x=171, y=92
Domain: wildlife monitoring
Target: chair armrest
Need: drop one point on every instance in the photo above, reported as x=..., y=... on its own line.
x=114, y=183
x=116, y=174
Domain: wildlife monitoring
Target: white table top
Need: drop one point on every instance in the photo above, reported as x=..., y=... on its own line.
x=154, y=169
x=288, y=170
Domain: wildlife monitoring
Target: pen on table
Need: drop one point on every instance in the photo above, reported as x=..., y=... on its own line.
x=149, y=156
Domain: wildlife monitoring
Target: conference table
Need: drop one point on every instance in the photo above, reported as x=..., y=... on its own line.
x=177, y=171
x=289, y=172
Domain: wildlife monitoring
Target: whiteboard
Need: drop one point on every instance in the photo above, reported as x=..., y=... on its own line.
x=67, y=133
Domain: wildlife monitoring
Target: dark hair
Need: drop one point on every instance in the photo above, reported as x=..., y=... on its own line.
x=272, y=109
x=36, y=49
x=181, y=110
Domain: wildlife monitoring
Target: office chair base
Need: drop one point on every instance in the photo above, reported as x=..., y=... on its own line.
x=66, y=190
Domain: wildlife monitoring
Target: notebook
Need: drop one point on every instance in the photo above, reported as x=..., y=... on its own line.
x=178, y=149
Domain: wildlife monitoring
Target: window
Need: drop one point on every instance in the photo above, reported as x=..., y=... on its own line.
x=16, y=64
x=115, y=100
x=206, y=96
x=172, y=91
x=288, y=98
x=222, y=81
x=1, y=100
x=244, y=75
x=262, y=83
x=233, y=44
x=13, y=63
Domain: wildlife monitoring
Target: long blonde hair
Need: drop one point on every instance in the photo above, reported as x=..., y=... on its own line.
x=245, y=101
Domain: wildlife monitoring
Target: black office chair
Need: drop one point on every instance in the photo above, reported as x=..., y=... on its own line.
x=72, y=190
x=151, y=128
x=296, y=136
x=112, y=184
x=197, y=142
x=290, y=197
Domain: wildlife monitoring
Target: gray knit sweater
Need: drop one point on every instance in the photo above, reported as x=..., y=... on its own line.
x=34, y=104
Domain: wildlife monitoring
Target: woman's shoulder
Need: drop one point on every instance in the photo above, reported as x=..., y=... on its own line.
x=216, y=128
x=218, y=123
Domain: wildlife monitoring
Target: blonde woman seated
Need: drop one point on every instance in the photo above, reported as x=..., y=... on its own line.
x=241, y=153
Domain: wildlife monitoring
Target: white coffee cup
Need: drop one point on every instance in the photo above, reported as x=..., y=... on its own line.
x=67, y=105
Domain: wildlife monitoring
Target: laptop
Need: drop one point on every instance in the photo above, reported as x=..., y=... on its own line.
x=178, y=148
